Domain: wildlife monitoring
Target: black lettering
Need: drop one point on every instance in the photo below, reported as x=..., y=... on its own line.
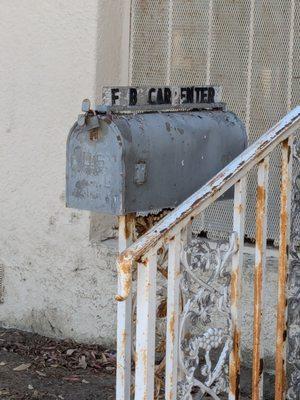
x=132, y=97
x=159, y=98
x=168, y=96
x=114, y=96
x=211, y=95
x=197, y=91
x=204, y=92
x=183, y=95
x=150, y=101
x=190, y=94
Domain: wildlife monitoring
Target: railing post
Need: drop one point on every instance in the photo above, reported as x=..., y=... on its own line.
x=281, y=334
x=172, y=318
x=236, y=283
x=259, y=274
x=124, y=310
x=145, y=328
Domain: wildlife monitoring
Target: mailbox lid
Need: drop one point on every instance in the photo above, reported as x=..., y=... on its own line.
x=95, y=168
x=168, y=156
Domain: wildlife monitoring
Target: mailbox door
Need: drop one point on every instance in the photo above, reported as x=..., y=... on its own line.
x=95, y=169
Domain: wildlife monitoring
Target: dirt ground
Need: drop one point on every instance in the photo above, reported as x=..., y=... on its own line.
x=35, y=367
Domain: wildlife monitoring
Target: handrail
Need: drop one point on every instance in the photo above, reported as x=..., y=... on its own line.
x=202, y=198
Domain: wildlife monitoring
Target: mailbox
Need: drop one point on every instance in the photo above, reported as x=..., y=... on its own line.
x=122, y=160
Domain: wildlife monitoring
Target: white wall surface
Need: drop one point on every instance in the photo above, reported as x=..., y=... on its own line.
x=53, y=53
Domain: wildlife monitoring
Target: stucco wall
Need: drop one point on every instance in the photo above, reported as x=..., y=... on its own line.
x=54, y=53
x=59, y=278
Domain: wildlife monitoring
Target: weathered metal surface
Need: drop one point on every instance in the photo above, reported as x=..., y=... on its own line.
x=130, y=96
x=145, y=162
x=173, y=312
x=124, y=328
x=236, y=288
x=211, y=191
x=293, y=288
x=285, y=208
x=259, y=275
x=145, y=329
x=206, y=290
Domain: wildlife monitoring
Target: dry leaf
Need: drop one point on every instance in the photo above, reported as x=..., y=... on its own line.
x=22, y=367
x=2, y=363
x=82, y=363
x=84, y=381
x=40, y=373
x=30, y=387
x=72, y=378
x=70, y=352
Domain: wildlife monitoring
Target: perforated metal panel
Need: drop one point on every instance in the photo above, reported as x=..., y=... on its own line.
x=250, y=47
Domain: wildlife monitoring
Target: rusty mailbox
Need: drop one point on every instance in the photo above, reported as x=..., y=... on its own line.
x=145, y=149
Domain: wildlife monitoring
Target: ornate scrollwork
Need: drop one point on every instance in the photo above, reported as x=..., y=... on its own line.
x=293, y=358
x=205, y=327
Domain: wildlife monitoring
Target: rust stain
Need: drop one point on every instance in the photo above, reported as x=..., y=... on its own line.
x=124, y=270
x=124, y=337
x=129, y=225
x=234, y=372
x=258, y=275
x=172, y=326
x=282, y=278
x=234, y=287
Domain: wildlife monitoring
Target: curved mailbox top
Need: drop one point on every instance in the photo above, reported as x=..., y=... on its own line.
x=118, y=164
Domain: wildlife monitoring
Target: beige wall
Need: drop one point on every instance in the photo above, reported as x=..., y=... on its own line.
x=53, y=54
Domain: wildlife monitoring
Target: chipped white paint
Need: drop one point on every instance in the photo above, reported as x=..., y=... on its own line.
x=172, y=318
x=259, y=278
x=123, y=384
x=236, y=286
x=145, y=329
x=284, y=242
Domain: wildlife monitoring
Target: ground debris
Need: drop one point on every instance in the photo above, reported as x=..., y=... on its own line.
x=46, y=352
x=36, y=367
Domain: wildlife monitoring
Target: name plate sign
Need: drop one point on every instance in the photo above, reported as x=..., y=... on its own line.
x=132, y=96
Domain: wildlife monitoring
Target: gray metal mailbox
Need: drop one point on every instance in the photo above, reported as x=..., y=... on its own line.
x=120, y=162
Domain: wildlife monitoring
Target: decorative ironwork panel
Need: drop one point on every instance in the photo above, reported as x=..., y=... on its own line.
x=205, y=324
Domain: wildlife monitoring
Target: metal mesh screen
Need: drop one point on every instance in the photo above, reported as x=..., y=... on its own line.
x=250, y=47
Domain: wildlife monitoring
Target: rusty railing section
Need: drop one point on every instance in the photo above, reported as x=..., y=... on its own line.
x=204, y=286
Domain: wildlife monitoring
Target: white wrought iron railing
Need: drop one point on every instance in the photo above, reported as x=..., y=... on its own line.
x=203, y=281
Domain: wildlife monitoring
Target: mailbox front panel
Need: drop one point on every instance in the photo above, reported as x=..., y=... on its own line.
x=95, y=169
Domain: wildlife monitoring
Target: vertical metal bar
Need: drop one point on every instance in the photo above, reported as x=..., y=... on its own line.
x=172, y=318
x=186, y=237
x=236, y=283
x=291, y=55
x=285, y=198
x=126, y=233
x=145, y=329
x=169, y=49
x=249, y=67
x=259, y=274
x=209, y=42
